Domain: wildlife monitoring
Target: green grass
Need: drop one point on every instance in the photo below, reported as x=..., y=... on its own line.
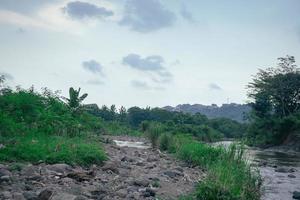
x=51, y=149
x=229, y=177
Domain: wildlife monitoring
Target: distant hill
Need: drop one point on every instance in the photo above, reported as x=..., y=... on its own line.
x=232, y=111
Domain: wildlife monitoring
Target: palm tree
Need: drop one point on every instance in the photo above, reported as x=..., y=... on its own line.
x=74, y=100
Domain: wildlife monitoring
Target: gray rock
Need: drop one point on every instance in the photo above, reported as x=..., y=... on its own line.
x=148, y=193
x=18, y=196
x=6, y=195
x=152, y=158
x=45, y=194
x=122, y=193
x=60, y=168
x=4, y=171
x=172, y=174
x=296, y=195
x=141, y=182
x=5, y=178
x=282, y=170
x=63, y=196
x=127, y=159
x=111, y=166
x=291, y=176
x=30, y=195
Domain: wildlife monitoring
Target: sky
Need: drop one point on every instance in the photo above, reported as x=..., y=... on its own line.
x=146, y=52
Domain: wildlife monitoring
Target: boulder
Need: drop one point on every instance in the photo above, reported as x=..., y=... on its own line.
x=296, y=195
x=45, y=194
x=172, y=174
x=141, y=182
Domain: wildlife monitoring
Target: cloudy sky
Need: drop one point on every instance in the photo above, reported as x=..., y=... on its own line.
x=146, y=52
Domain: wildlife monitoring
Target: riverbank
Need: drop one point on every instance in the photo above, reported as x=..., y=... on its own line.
x=130, y=173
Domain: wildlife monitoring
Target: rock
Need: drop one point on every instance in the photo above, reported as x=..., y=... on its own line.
x=152, y=158
x=63, y=196
x=60, y=168
x=291, y=170
x=6, y=195
x=179, y=169
x=4, y=171
x=81, y=176
x=291, y=176
x=2, y=146
x=5, y=178
x=141, y=182
x=81, y=198
x=296, y=195
x=282, y=170
x=172, y=174
x=30, y=196
x=30, y=171
x=111, y=166
x=122, y=193
x=127, y=159
x=18, y=196
x=149, y=193
x=45, y=194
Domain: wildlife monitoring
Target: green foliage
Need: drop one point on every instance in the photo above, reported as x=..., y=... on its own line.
x=165, y=141
x=74, y=100
x=276, y=105
x=51, y=149
x=36, y=126
x=228, y=174
x=153, y=133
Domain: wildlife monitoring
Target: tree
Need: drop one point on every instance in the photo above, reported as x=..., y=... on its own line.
x=276, y=103
x=74, y=101
x=276, y=90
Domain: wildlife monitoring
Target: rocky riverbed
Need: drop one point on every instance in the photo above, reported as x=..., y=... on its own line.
x=130, y=173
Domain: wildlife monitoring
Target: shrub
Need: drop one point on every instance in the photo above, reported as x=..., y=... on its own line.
x=153, y=133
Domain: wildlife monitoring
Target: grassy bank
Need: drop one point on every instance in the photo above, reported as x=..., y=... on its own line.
x=229, y=177
x=51, y=149
x=38, y=127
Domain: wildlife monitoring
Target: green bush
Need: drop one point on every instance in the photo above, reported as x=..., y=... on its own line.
x=153, y=133
x=52, y=149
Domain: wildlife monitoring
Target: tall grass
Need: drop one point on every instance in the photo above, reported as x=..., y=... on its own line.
x=229, y=177
x=51, y=149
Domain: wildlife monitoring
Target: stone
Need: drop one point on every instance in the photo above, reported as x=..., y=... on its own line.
x=80, y=176
x=152, y=158
x=148, y=193
x=18, y=196
x=141, y=182
x=30, y=195
x=5, y=178
x=6, y=195
x=63, y=196
x=60, y=168
x=172, y=174
x=111, y=166
x=4, y=172
x=282, y=170
x=296, y=195
x=127, y=159
x=291, y=176
x=122, y=193
x=45, y=194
